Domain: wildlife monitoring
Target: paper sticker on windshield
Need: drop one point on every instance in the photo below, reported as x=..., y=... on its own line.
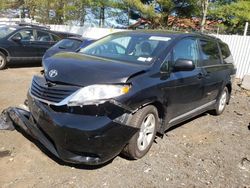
x=159, y=38
x=142, y=59
x=149, y=59
x=12, y=28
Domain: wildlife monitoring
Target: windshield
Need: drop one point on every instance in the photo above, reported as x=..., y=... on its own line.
x=4, y=31
x=134, y=48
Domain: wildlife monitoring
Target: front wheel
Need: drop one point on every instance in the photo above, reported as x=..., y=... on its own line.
x=2, y=61
x=222, y=102
x=146, y=119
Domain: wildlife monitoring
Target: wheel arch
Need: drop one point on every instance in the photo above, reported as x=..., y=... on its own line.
x=229, y=88
x=161, y=114
x=5, y=52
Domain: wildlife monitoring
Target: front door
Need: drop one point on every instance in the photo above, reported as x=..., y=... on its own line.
x=183, y=89
x=23, y=49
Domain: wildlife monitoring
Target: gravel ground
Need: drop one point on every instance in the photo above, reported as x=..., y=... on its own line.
x=208, y=151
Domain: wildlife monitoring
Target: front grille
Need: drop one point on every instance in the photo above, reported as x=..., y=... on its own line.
x=50, y=92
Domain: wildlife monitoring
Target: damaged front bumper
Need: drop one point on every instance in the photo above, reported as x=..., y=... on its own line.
x=74, y=138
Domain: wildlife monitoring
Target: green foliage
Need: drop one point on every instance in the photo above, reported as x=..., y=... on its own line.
x=233, y=15
x=187, y=8
x=4, y=4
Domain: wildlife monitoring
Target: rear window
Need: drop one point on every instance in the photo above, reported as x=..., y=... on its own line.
x=210, y=54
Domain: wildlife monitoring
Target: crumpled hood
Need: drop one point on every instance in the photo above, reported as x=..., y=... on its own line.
x=82, y=70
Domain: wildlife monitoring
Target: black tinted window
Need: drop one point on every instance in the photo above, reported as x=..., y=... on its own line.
x=186, y=49
x=209, y=53
x=224, y=50
x=26, y=35
x=44, y=36
x=226, y=54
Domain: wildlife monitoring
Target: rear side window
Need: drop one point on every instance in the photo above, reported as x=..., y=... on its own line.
x=225, y=52
x=44, y=36
x=210, y=54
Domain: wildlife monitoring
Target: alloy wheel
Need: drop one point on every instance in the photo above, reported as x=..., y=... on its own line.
x=146, y=132
x=223, y=100
x=2, y=60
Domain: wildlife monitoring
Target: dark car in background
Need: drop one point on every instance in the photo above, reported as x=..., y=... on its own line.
x=70, y=44
x=115, y=94
x=25, y=43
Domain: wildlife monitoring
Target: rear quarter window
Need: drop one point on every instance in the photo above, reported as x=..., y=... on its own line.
x=225, y=52
x=55, y=38
x=210, y=54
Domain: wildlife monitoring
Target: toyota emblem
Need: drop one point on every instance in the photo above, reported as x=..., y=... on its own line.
x=53, y=73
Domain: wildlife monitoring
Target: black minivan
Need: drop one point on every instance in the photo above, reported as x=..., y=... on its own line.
x=114, y=95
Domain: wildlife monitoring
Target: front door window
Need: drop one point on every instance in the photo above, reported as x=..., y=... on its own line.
x=186, y=49
x=26, y=35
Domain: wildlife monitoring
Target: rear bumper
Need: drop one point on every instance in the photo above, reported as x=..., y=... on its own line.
x=73, y=138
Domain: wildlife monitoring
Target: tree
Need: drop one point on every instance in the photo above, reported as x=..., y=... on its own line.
x=102, y=5
x=147, y=9
x=204, y=8
x=186, y=8
x=233, y=15
x=167, y=7
x=76, y=10
x=2, y=4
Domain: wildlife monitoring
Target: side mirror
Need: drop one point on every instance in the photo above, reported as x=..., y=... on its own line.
x=183, y=65
x=17, y=38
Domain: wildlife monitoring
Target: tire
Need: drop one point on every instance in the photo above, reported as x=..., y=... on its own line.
x=146, y=119
x=3, y=61
x=222, y=102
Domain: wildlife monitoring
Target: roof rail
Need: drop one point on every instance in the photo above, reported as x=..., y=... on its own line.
x=33, y=25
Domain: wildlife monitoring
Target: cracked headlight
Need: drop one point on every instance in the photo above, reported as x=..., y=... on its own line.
x=96, y=94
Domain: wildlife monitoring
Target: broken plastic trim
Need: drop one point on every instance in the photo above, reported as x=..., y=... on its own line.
x=5, y=121
x=128, y=109
x=24, y=120
x=20, y=117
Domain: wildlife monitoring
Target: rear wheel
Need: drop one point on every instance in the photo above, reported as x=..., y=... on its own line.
x=222, y=102
x=146, y=119
x=2, y=61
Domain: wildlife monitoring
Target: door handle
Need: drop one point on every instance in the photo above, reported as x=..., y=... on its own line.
x=200, y=76
x=207, y=75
